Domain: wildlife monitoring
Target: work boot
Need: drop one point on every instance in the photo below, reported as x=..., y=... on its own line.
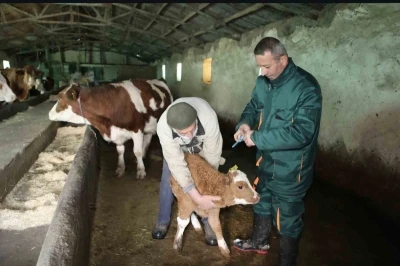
x=259, y=239
x=159, y=231
x=288, y=250
x=211, y=238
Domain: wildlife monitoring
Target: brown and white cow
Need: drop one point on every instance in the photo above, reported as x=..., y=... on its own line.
x=6, y=94
x=120, y=111
x=233, y=188
x=21, y=80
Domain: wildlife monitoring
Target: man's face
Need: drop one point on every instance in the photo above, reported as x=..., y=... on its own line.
x=187, y=133
x=271, y=66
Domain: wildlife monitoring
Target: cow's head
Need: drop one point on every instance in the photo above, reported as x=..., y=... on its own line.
x=67, y=109
x=6, y=94
x=31, y=74
x=241, y=189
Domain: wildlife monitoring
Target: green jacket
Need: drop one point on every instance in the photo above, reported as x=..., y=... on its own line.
x=285, y=114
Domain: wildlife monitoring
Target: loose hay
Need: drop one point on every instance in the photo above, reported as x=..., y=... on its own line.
x=33, y=200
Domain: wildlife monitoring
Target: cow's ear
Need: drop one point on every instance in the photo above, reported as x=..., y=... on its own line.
x=20, y=72
x=73, y=94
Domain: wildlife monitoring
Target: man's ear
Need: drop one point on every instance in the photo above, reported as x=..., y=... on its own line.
x=284, y=60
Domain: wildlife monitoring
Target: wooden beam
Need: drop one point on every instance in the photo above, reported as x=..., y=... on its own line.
x=154, y=18
x=226, y=20
x=73, y=23
x=18, y=10
x=211, y=17
x=35, y=19
x=245, y=12
x=44, y=10
x=140, y=11
x=189, y=16
x=3, y=16
x=81, y=4
x=296, y=9
x=246, y=19
x=122, y=15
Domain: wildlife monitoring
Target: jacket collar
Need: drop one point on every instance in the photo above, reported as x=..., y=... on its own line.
x=286, y=74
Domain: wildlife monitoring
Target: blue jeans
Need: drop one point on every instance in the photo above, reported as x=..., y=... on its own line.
x=166, y=197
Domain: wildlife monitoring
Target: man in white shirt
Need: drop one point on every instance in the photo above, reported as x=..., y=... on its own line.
x=188, y=125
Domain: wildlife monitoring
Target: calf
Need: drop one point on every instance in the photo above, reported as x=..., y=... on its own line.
x=120, y=111
x=233, y=188
x=6, y=94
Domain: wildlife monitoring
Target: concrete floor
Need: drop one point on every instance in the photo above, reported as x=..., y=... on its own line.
x=339, y=229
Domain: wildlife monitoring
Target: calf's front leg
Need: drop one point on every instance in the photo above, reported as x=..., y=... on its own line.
x=183, y=219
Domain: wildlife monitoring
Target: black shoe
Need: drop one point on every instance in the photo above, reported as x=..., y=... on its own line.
x=159, y=231
x=288, y=250
x=259, y=239
x=210, y=237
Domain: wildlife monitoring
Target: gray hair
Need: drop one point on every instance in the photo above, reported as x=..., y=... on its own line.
x=272, y=45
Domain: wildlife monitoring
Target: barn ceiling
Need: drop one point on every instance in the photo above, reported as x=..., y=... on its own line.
x=148, y=31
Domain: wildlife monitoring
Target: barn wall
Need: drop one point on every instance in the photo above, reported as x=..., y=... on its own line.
x=354, y=52
x=4, y=56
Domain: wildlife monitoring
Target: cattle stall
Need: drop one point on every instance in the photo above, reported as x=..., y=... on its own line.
x=118, y=222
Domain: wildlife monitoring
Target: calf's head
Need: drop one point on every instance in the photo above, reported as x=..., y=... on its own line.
x=241, y=188
x=67, y=108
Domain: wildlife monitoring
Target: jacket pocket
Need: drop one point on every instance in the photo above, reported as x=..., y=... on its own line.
x=287, y=168
x=281, y=118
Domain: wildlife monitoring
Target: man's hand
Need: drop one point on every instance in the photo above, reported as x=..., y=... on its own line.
x=247, y=138
x=241, y=131
x=204, y=201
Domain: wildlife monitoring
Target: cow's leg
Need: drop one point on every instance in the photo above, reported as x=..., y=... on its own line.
x=121, y=164
x=138, y=151
x=146, y=143
x=215, y=224
x=183, y=219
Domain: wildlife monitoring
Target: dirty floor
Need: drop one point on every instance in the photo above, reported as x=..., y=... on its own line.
x=339, y=229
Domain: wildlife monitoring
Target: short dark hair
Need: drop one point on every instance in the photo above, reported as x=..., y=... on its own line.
x=272, y=45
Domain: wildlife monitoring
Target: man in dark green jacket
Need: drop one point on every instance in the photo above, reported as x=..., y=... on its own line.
x=282, y=120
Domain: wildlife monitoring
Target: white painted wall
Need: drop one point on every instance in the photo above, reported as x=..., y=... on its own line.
x=355, y=57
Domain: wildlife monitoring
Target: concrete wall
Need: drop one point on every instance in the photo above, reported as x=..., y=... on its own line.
x=67, y=241
x=354, y=52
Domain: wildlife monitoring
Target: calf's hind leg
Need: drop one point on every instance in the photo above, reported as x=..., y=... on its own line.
x=215, y=224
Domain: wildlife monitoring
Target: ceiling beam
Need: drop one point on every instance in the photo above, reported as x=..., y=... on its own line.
x=18, y=10
x=34, y=19
x=3, y=17
x=186, y=18
x=44, y=10
x=226, y=20
x=295, y=9
x=82, y=4
x=157, y=14
x=189, y=16
x=216, y=20
x=146, y=13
